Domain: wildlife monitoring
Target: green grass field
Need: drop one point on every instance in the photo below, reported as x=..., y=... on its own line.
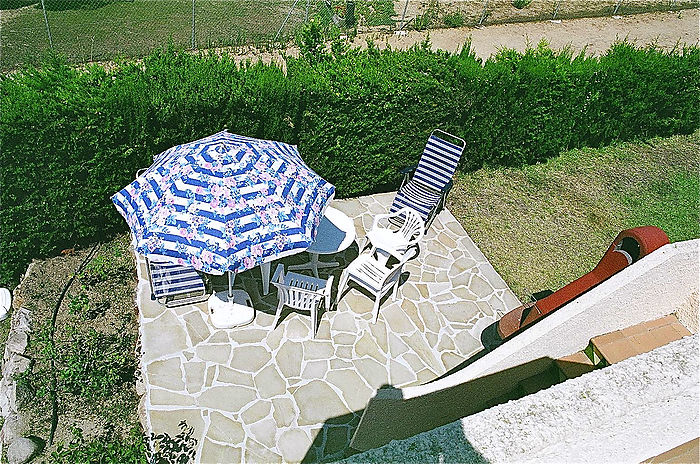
x=110, y=29
x=543, y=226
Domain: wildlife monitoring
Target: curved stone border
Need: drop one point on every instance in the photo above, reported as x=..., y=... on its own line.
x=14, y=362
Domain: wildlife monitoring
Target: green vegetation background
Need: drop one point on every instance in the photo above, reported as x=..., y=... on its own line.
x=72, y=137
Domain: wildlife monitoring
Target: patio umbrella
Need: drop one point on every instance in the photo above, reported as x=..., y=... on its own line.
x=225, y=203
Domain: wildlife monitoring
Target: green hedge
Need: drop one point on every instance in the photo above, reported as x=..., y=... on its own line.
x=72, y=137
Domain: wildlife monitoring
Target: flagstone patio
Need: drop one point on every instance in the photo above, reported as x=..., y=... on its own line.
x=265, y=394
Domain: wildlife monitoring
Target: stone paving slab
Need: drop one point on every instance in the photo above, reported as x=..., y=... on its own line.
x=261, y=393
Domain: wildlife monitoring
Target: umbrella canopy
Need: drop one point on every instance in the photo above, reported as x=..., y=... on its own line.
x=225, y=203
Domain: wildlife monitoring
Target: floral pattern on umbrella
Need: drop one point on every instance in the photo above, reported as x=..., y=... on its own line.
x=225, y=203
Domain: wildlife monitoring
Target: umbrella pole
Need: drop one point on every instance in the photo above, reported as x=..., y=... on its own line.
x=230, y=284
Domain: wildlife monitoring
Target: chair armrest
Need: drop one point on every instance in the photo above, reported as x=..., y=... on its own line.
x=406, y=174
x=278, y=276
x=447, y=187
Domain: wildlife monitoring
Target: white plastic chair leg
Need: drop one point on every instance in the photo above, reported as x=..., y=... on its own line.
x=314, y=320
x=341, y=285
x=278, y=313
x=375, y=310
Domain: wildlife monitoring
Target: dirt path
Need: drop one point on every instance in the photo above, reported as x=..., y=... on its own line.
x=665, y=29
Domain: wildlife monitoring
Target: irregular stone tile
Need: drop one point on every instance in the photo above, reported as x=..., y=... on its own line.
x=215, y=453
x=344, y=352
x=447, y=241
x=197, y=328
x=343, y=322
x=220, y=336
x=274, y=337
x=355, y=392
x=409, y=291
x=465, y=343
x=259, y=410
x=336, y=441
x=234, y=377
x=427, y=313
x=264, y=320
x=324, y=329
x=438, y=288
x=442, y=277
x=344, y=339
x=378, y=331
x=396, y=345
x=153, y=342
x=149, y=309
x=166, y=374
x=315, y=369
x=317, y=349
x=450, y=360
x=414, y=361
x=462, y=292
x=423, y=290
x=167, y=421
x=358, y=303
x=249, y=358
x=296, y=329
x=459, y=312
x=445, y=344
x=427, y=277
x=411, y=311
x=264, y=432
x=443, y=297
x=397, y=319
x=317, y=402
x=488, y=307
x=168, y=398
x=431, y=338
x=269, y=382
x=288, y=358
x=283, y=411
x=480, y=286
x=194, y=376
x=438, y=248
x=340, y=363
x=294, y=445
x=366, y=345
x=226, y=398
x=224, y=429
x=437, y=262
x=209, y=379
x=399, y=374
x=456, y=228
x=422, y=349
x=374, y=373
x=218, y=354
x=243, y=336
x=461, y=266
x=425, y=376
x=258, y=453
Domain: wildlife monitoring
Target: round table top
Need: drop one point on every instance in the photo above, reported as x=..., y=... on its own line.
x=335, y=233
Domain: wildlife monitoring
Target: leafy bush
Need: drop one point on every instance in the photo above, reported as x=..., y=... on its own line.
x=72, y=137
x=109, y=448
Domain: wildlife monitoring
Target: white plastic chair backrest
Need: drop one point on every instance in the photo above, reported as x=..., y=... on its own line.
x=413, y=226
x=297, y=291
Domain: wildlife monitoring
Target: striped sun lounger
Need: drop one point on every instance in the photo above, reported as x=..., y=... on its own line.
x=427, y=190
x=175, y=285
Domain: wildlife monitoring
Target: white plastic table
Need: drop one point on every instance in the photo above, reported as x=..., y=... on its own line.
x=336, y=232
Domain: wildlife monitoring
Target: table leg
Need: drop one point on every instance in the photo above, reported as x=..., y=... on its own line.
x=265, y=272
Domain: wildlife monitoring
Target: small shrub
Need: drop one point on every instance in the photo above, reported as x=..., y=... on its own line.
x=520, y=4
x=455, y=19
x=108, y=448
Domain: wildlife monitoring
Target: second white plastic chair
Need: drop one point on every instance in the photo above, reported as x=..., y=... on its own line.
x=301, y=292
x=395, y=233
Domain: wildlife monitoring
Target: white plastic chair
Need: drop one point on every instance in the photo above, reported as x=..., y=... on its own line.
x=373, y=274
x=395, y=233
x=301, y=292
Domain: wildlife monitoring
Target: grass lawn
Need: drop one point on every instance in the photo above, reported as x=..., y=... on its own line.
x=543, y=226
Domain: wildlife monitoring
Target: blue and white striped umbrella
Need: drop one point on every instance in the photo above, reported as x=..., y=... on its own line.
x=225, y=203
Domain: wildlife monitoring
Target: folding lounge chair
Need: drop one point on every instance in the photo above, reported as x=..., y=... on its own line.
x=175, y=285
x=427, y=190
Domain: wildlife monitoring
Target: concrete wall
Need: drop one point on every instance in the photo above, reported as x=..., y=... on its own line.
x=653, y=287
x=627, y=412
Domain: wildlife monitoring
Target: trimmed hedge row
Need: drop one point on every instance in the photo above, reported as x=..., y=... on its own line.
x=70, y=138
